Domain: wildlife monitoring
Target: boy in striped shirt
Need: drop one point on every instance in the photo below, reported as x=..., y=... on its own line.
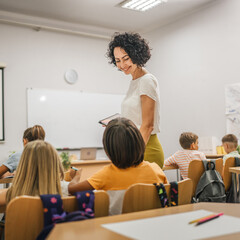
x=182, y=158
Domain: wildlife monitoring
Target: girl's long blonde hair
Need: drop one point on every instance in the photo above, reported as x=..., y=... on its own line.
x=39, y=171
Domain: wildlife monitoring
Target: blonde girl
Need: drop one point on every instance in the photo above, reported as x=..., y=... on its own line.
x=39, y=172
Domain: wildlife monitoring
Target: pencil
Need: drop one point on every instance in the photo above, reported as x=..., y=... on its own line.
x=209, y=219
x=74, y=168
x=199, y=219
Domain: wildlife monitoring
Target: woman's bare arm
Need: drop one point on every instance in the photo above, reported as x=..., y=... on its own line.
x=148, y=107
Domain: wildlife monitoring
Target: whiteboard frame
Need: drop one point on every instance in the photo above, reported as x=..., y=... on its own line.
x=2, y=132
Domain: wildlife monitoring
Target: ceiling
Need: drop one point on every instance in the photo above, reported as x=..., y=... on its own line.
x=97, y=16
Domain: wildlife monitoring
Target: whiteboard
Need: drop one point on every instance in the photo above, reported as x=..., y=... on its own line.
x=70, y=118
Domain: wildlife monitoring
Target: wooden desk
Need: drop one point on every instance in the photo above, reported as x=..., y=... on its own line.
x=91, y=229
x=175, y=167
x=235, y=170
x=6, y=181
x=236, y=184
x=214, y=156
x=89, y=167
x=169, y=168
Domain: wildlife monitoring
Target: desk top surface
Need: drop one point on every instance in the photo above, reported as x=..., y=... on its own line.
x=214, y=156
x=91, y=229
x=172, y=167
x=234, y=170
x=90, y=161
x=6, y=180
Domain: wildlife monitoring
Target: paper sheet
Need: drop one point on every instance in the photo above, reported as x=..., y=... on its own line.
x=176, y=226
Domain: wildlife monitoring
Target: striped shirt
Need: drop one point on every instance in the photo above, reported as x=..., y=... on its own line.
x=182, y=158
x=231, y=154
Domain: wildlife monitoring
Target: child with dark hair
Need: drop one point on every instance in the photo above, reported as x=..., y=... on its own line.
x=124, y=145
x=230, y=143
x=182, y=158
x=30, y=134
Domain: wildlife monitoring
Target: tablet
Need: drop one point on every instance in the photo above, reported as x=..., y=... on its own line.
x=105, y=121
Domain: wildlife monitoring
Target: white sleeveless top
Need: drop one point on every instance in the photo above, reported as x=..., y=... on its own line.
x=131, y=105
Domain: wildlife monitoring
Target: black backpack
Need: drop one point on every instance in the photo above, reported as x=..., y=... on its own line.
x=210, y=187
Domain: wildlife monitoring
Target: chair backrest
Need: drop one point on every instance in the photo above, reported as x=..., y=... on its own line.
x=196, y=169
x=227, y=176
x=24, y=215
x=140, y=196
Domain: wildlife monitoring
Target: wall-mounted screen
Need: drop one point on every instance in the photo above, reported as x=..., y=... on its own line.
x=1, y=106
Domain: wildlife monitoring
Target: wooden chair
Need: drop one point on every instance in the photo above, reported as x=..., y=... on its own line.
x=140, y=196
x=227, y=176
x=24, y=215
x=196, y=169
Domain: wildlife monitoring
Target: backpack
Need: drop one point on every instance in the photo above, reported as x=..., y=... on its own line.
x=231, y=195
x=210, y=187
x=54, y=213
x=163, y=195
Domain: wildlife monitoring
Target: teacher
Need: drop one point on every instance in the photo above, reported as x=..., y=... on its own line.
x=129, y=52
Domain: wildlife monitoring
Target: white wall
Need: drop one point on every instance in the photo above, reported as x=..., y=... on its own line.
x=39, y=60
x=193, y=60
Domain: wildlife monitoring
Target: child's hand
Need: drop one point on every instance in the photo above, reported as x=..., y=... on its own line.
x=72, y=173
x=76, y=175
x=8, y=174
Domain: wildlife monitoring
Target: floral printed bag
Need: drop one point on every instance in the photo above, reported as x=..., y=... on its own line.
x=163, y=195
x=54, y=213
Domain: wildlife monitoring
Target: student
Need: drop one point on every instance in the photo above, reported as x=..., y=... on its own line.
x=30, y=134
x=124, y=145
x=182, y=158
x=39, y=172
x=230, y=143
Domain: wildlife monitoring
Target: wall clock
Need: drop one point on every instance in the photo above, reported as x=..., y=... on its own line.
x=71, y=76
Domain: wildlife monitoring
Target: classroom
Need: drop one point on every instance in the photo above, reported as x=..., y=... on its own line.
x=194, y=57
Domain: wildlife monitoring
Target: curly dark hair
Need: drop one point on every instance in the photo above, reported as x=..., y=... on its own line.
x=133, y=44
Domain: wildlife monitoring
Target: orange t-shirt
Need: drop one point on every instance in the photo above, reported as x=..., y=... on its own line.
x=114, y=178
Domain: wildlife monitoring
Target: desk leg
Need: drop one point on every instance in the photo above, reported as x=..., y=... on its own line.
x=235, y=182
x=178, y=179
x=6, y=185
x=238, y=188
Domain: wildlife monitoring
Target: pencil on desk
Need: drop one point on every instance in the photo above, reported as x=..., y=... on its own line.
x=207, y=219
x=199, y=219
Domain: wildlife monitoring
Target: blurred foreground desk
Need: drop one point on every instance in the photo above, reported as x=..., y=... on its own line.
x=89, y=167
x=92, y=229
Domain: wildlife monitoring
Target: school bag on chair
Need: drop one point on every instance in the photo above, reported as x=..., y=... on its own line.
x=210, y=187
x=162, y=194
x=54, y=213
